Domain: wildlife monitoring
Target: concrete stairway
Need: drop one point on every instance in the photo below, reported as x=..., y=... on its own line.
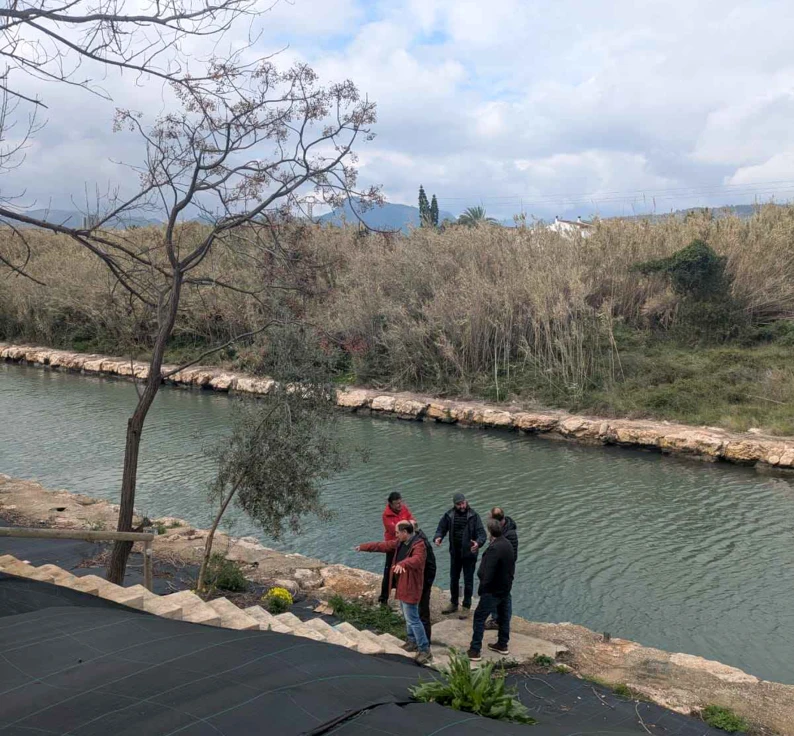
x=187, y=606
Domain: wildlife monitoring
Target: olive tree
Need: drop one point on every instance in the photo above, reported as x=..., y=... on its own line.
x=281, y=447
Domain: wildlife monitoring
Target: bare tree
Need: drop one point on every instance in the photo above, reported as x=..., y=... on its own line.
x=77, y=42
x=249, y=143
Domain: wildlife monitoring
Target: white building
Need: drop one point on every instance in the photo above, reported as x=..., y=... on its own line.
x=569, y=228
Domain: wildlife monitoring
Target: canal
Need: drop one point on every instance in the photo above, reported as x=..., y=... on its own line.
x=680, y=555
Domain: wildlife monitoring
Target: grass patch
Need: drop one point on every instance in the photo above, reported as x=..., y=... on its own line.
x=223, y=574
x=724, y=718
x=478, y=691
x=380, y=619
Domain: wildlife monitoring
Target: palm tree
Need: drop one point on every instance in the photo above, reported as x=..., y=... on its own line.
x=473, y=216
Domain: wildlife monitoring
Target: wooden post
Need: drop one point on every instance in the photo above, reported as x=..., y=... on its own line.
x=147, y=565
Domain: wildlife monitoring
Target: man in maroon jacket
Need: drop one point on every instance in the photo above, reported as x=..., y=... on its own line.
x=394, y=512
x=409, y=570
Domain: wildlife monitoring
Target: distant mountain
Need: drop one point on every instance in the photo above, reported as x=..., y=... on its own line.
x=73, y=218
x=742, y=211
x=386, y=217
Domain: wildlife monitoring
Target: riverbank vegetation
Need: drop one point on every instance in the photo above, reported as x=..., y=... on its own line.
x=603, y=325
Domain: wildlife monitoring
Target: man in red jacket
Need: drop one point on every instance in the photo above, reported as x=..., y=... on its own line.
x=409, y=570
x=395, y=512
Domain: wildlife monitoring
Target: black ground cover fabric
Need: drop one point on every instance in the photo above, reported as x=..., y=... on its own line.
x=74, y=664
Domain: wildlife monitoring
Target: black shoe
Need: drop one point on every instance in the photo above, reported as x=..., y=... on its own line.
x=491, y=625
x=451, y=608
x=474, y=655
x=499, y=649
x=410, y=646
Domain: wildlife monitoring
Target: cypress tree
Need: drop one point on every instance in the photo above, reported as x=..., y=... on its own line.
x=434, y=212
x=424, y=207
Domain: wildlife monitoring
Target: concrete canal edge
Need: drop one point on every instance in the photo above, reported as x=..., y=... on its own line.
x=681, y=682
x=702, y=443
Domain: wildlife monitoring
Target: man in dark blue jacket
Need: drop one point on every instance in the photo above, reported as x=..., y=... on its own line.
x=496, y=573
x=466, y=537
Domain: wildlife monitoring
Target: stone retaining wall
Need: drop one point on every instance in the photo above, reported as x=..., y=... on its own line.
x=682, y=682
x=705, y=443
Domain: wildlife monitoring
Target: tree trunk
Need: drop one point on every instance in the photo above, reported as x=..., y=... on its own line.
x=211, y=537
x=117, y=566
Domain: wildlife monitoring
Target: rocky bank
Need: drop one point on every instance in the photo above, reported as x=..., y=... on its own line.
x=682, y=682
x=704, y=443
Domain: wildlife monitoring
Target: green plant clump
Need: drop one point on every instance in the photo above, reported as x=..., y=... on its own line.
x=543, y=660
x=473, y=691
x=223, y=574
x=380, y=619
x=724, y=718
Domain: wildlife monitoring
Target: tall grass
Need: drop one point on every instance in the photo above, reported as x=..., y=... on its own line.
x=483, y=311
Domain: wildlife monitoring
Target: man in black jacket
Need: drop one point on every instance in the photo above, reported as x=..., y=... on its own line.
x=466, y=537
x=496, y=573
x=430, y=576
x=510, y=533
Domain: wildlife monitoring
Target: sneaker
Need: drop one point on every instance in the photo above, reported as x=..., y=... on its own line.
x=465, y=612
x=451, y=608
x=410, y=646
x=474, y=655
x=491, y=625
x=424, y=657
x=499, y=649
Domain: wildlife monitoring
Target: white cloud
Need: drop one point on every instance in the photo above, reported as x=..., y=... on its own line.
x=505, y=100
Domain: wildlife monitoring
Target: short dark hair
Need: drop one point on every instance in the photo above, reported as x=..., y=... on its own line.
x=494, y=527
x=497, y=513
x=405, y=526
x=395, y=496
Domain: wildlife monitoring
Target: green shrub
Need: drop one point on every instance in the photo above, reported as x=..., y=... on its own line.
x=724, y=718
x=543, y=660
x=473, y=691
x=223, y=574
x=380, y=619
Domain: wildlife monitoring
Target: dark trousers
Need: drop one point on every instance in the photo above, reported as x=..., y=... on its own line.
x=424, y=608
x=465, y=565
x=502, y=607
x=384, y=586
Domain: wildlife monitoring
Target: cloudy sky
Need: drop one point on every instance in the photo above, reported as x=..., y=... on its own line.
x=570, y=107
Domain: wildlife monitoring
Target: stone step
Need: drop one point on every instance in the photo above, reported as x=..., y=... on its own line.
x=61, y=576
x=7, y=560
x=331, y=635
x=194, y=609
x=232, y=617
x=25, y=570
x=394, y=645
x=373, y=637
x=298, y=627
x=362, y=642
x=123, y=596
x=157, y=606
x=267, y=621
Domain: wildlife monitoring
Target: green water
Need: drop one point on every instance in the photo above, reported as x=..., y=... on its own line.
x=676, y=554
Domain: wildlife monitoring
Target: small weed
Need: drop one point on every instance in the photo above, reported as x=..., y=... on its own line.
x=543, y=660
x=96, y=526
x=562, y=669
x=476, y=691
x=724, y=718
x=160, y=528
x=380, y=619
x=174, y=524
x=223, y=574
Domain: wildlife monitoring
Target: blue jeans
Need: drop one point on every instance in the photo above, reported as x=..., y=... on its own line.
x=502, y=608
x=413, y=625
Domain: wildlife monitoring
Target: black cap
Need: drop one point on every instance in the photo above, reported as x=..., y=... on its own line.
x=458, y=498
